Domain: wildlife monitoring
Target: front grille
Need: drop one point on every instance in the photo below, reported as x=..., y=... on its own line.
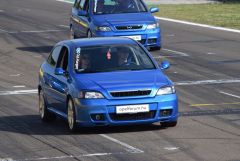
x=130, y=93
x=130, y=27
x=131, y=117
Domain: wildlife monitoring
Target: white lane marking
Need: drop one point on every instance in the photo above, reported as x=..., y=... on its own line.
x=176, y=52
x=20, y=86
x=171, y=148
x=229, y=94
x=1, y=10
x=14, y=75
x=198, y=24
x=40, y=31
x=31, y=31
x=170, y=35
x=202, y=82
x=65, y=1
x=211, y=53
x=68, y=156
x=130, y=148
x=65, y=26
x=31, y=91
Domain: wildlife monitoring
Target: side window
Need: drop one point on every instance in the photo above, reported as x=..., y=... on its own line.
x=85, y=7
x=53, y=57
x=82, y=2
x=63, y=59
x=76, y=4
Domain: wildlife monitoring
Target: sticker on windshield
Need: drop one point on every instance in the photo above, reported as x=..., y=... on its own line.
x=109, y=54
x=78, y=52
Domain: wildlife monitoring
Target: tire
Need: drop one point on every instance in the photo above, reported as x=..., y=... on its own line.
x=44, y=113
x=71, y=116
x=72, y=34
x=169, y=124
x=89, y=34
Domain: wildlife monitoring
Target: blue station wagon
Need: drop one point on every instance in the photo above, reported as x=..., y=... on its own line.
x=105, y=18
x=105, y=81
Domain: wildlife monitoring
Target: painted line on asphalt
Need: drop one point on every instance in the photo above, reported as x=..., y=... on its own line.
x=66, y=1
x=14, y=75
x=19, y=86
x=204, y=82
x=218, y=104
x=65, y=26
x=229, y=94
x=198, y=24
x=176, y=52
x=171, y=148
x=30, y=31
x=129, y=148
x=67, y=157
x=18, y=92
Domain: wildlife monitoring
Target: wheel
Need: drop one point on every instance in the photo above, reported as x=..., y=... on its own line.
x=45, y=115
x=169, y=124
x=71, y=116
x=89, y=34
x=72, y=34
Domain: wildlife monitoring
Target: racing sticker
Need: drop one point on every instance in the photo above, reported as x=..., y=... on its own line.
x=78, y=52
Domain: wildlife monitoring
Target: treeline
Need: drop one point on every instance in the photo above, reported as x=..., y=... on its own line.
x=229, y=1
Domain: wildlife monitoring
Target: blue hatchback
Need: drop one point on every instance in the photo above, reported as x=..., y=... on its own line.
x=105, y=81
x=126, y=18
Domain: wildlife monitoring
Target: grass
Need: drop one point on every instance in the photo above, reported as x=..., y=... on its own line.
x=222, y=15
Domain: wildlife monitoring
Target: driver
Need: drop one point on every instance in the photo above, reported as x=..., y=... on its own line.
x=122, y=54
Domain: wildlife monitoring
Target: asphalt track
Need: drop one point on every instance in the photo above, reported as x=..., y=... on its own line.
x=205, y=69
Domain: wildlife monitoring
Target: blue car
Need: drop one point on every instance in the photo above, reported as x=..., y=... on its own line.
x=108, y=18
x=105, y=81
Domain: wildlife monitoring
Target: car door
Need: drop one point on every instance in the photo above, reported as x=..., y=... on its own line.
x=48, y=73
x=82, y=21
x=74, y=18
x=59, y=83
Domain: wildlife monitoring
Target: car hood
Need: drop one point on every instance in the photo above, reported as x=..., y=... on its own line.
x=118, y=19
x=123, y=81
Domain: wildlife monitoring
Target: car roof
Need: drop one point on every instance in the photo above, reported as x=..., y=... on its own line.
x=98, y=41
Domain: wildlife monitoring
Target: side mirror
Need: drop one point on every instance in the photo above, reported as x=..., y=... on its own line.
x=154, y=9
x=82, y=13
x=60, y=71
x=164, y=65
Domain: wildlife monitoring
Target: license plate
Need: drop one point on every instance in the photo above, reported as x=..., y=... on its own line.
x=132, y=109
x=135, y=37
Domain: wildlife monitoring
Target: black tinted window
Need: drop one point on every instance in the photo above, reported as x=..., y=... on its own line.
x=53, y=57
x=63, y=59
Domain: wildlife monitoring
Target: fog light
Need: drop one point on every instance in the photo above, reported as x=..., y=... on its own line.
x=97, y=117
x=164, y=113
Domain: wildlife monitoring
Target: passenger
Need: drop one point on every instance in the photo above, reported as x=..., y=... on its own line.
x=100, y=6
x=84, y=61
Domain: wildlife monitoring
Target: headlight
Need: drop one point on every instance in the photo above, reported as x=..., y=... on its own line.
x=153, y=26
x=90, y=95
x=103, y=28
x=166, y=90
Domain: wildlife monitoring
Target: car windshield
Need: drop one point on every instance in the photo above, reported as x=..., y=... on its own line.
x=118, y=6
x=108, y=58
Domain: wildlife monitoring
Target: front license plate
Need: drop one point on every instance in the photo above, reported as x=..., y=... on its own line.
x=132, y=109
x=135, y=37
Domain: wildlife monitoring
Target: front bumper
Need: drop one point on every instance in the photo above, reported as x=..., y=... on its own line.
x=149, y=38
x=87, y=109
